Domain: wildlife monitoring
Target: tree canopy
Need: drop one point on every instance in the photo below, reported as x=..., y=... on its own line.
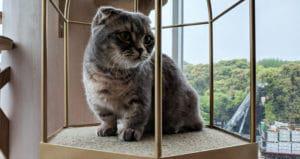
x=281, y=88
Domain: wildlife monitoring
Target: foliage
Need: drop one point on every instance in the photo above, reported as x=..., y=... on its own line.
x=280, y=81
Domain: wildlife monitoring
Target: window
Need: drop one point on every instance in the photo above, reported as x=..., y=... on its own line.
x=278, y=78
x=188, y=45
x=195, y=63
x=220, y=5
x=278, y=66
x=231, y=70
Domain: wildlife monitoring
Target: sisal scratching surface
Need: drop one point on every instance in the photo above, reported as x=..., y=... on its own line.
x=85, y=137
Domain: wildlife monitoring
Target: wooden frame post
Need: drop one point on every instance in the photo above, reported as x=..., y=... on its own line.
x=158, y=81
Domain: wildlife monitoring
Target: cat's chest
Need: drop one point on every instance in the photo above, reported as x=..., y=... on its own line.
x=112, y=90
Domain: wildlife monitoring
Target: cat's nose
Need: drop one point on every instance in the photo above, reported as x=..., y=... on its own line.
x=140, y=50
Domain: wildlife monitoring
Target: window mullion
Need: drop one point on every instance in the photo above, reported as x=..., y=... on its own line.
x=177, y=40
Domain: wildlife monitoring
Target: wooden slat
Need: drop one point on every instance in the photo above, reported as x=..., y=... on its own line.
x=4, y=134
x=6, y=43
x=0, y=17
x=4, y=77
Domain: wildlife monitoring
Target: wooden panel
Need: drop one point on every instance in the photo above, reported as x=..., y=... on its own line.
x=20, y=98
x=55, y=81
x=82, y=10
x=79, y=112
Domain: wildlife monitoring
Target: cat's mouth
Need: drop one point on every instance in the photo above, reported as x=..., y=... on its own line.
x=137, y=58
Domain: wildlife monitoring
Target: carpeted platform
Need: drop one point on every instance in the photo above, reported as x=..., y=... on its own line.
x=85, y=137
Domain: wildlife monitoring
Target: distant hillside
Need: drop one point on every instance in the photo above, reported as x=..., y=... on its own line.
x=280, y=78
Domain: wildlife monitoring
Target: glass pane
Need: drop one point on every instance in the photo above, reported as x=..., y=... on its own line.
x=167, y=13
x=231, y=71
x=278, y=78
x=195, y=65
x=167, y=42
x=220, y=5
x=195, y=11
x=189, y=10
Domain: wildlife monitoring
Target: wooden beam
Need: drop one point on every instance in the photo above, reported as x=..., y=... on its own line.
x=6, y=43
x=4, y=77
x=4, y=134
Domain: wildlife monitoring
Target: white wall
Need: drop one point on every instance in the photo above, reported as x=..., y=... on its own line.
x=20, y=99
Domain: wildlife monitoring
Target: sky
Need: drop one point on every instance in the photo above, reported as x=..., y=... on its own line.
x=277, y=30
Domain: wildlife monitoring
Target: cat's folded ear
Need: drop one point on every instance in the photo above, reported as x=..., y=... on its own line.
x=105, y=13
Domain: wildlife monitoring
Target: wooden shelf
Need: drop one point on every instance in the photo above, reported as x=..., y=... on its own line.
x=6, y=43
x=82, y=142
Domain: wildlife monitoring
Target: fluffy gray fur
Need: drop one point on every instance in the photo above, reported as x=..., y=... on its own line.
x=118, y=79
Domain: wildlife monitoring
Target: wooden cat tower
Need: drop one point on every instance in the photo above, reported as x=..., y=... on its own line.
x=68, y=127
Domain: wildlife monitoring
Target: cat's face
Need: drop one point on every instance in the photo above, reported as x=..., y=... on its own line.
x=124, y=38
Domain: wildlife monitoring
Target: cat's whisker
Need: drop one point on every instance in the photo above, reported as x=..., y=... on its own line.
x=112, y=59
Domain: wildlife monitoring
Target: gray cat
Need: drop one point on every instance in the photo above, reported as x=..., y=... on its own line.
x=118, y=79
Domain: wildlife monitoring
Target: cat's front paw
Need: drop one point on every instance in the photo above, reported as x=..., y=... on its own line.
x=106, y=131
x=129, y=134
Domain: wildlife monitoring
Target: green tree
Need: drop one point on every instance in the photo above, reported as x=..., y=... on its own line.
x=281, y=81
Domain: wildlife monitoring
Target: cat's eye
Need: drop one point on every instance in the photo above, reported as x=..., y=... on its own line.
x=148, y=40
x=124, y=36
